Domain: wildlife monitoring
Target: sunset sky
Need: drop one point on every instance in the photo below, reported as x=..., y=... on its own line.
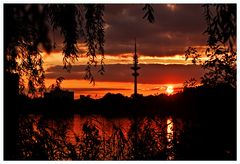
x=160, y=47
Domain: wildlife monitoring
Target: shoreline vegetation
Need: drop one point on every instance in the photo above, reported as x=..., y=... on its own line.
x=207, y=132
x=198, y=123
x=187, y=102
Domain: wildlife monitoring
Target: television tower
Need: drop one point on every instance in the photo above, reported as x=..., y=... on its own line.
x=135, y=68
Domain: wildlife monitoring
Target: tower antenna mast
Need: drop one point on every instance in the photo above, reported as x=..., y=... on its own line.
x=135, y=67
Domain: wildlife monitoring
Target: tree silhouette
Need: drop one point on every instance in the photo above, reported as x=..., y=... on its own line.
x=57, y=85
x=221, y=45
x=191, y=83
x=27, y=28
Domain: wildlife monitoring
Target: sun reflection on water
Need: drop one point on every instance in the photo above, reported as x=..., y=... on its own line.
x=169, y=129
x=170, y=138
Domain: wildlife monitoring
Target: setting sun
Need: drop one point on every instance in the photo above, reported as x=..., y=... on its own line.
x=169, y=90
x=115, y=82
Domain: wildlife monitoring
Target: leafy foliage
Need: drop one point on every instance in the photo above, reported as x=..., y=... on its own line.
x=91, y=142
x=192, y=130
x=64, y=17
x=221, y=24
x=148, y=139
x=25, y=28
x=28, y=26
x=191, y=83
x=149, y=13
x=221, y=45
x=41, y=139
x=95, y=37
x=58, y=83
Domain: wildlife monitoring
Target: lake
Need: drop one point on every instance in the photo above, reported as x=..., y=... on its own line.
x=96, y=137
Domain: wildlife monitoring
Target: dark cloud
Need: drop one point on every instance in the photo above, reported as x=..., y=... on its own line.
x=171, y=33
x=149, y=73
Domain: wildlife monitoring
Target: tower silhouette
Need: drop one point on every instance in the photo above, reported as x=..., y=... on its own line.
x=135, y=68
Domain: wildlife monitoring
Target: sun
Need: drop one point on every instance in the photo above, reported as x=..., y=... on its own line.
x=169, y=90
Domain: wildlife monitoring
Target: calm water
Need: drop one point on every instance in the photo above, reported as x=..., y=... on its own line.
x=75, y=124
x=161, y=131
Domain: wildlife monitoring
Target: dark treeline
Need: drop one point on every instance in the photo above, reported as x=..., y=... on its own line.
x=208, y=130
x=189, y=103
x=207, y=114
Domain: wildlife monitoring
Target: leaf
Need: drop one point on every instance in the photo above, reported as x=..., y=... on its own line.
x=148, y=13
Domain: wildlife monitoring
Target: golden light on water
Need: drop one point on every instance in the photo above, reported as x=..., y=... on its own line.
x=169, y=129
x=170, y=137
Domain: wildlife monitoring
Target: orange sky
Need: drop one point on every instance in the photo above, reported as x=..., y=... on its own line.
x=82, y=87
x=55, y=58
x=160, y=46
